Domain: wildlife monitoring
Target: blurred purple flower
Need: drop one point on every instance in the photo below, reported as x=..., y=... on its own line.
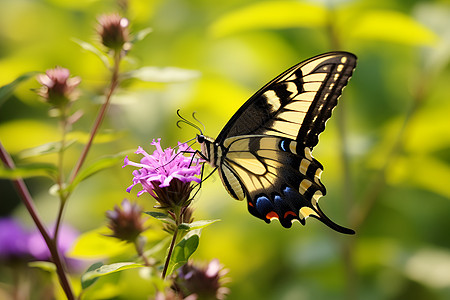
x=166, y=174
x=13, y=240
x=204, y=282
x=66, y=237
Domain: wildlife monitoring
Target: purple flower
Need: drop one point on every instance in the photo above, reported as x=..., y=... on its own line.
x=205, y=282
x=126, y=222
x=66, y=237
x=166, y=174
x=13, y=240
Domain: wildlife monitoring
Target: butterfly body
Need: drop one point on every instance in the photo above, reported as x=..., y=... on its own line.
x=263, y=154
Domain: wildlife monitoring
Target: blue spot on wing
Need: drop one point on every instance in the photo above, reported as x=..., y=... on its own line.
x=284, y=145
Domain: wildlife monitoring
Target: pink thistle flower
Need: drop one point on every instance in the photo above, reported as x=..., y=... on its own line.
x=166, y=174
x=58, y=89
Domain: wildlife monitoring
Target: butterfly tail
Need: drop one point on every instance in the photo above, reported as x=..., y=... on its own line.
x=324, y=219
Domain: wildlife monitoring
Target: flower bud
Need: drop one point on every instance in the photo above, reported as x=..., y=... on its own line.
x=205, y=282
x=113, y=31
x=126, y=222
x=58, y=89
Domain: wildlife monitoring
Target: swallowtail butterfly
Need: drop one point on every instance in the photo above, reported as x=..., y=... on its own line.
x=263, y=154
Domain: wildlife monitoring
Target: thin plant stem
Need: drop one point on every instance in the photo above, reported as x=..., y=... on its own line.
x=100, y=116
x=98, y=121
x=51, y=244
x=140, y=252
x=61, y=180
x=360, y=212
x=348, y=247
x=169, y=254
x=177, y=215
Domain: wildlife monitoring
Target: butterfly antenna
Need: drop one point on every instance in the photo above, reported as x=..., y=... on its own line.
x=198, y=121
x=184, y=120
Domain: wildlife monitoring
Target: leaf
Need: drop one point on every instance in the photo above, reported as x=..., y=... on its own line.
x=91, y=48
x=162, y=75
x=7, y=90
x=95, y=244
x=197, y=224
x=160, y=216
x=87, y=283
x=97, y=166
x=270, y=15
x=43, y=265
x=31, y=170
x=183, y=250
x=47, y=148
x=91, y=275
x=141, y=34
x=158, y=247
x=390, y=26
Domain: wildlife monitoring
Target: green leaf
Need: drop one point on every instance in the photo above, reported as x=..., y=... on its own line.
x=97, y=166
x=183, y=250
x=160, y=216
x=88, y=282
x=47, y=148
x=43, y=265
x=197, y=224
x=97, y=52
x=89, y=277
x=270, y=15
x=158, y=247
x=141, y=34
x=391, y=26
x=162, y=75
x=7, y=90
x=95, y=244
x=31, y=170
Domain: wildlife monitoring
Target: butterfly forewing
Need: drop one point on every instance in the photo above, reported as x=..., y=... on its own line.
x=265, y=148
x=297, y=103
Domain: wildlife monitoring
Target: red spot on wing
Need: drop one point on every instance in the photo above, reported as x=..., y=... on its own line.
x=272, y=215
x=250, y=204
x=290, y=213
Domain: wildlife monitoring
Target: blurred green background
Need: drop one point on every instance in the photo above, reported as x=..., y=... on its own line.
x=386, y=150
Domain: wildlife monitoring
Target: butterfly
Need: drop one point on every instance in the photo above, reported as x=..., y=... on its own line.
x=263, y=154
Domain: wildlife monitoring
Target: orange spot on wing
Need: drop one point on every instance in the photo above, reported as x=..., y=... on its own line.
x=250, y=204
x=272, y=215
x=291, y=213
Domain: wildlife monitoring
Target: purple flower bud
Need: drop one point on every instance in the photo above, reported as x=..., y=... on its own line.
x=205, y=282
x=113, y=31
x=166, y=174
x=58, y=89
x=126, y=222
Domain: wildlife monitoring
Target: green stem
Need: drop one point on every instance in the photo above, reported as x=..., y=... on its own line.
x=172, y=244
x=348, y=248
x=139, y=249
x=61, y=180
x=29, y=204
x=169, y=254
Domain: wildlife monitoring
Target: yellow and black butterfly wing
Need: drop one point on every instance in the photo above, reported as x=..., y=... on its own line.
x=267, y=143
